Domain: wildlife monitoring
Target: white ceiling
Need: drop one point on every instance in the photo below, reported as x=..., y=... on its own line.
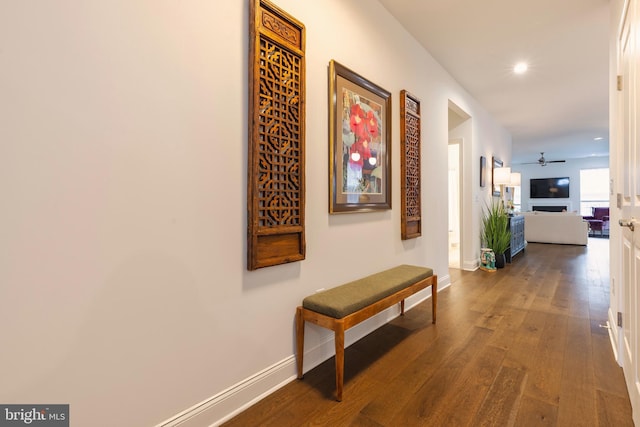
x=562, y=103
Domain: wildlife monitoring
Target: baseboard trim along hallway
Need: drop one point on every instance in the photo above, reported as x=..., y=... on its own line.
x=237, y=398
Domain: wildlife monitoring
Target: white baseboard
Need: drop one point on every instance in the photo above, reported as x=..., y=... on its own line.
x=471, y=265
x=230, y=402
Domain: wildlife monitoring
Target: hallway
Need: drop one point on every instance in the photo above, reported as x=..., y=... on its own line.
x=522, y=346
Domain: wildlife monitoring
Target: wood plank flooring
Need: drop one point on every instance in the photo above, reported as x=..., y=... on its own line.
x=520, y=347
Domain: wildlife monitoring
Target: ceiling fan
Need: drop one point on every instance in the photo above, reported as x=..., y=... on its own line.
x=544, y=162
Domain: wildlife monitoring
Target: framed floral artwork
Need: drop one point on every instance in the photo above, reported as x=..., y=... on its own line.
x=359, y=143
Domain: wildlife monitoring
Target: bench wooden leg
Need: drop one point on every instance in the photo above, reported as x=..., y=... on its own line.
x=402, y=308
x=300, y=340
x=434, y=299
x=339, y=338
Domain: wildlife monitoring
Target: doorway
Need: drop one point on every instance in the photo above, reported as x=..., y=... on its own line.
x=454, y=203
x=460, y=207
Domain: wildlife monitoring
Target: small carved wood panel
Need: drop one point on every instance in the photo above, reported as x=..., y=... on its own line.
x=276, y=187
x=411, y=215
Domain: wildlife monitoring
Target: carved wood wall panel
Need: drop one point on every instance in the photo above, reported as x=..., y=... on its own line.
x=276, y=187
x=411, y=216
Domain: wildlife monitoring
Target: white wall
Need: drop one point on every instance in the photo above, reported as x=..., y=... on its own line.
x=478, y=140
x=123, y=133
x=570, y=168
x=483, y=139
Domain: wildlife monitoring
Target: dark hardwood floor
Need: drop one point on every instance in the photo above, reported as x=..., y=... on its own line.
x=520, y=347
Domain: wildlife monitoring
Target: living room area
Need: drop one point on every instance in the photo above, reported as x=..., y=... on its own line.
x=565, y=202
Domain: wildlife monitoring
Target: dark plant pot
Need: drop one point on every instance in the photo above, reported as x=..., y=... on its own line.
x=500, y=260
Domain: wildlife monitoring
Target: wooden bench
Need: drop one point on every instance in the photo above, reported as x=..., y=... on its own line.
x=345, y=306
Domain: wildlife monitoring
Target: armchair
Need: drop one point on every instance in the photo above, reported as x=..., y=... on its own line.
x=598, y=221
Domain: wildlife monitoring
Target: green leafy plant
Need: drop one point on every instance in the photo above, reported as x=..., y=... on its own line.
x=495, y=228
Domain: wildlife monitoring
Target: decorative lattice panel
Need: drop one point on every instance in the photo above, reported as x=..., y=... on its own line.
x=410, y=165
x=276, y=138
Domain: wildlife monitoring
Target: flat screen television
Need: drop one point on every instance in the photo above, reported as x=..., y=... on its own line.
x=549, y=188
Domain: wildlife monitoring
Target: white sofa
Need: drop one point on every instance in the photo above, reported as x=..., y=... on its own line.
x=555, y=227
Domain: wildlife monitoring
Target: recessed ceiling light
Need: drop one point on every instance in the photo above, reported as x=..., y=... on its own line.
x=520, y=68
x=598, y=138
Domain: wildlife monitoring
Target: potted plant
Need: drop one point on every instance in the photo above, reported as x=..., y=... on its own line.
x=495, y=231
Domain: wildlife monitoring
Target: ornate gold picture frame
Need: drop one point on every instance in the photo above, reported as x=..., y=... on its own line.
x=359, y=143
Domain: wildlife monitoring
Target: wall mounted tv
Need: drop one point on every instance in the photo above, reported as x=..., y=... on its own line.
x=549, y=188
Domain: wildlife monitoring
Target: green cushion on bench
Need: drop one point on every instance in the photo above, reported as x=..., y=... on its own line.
x=343, y=300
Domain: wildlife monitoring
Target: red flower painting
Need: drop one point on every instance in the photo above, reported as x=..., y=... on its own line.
x=361, y=140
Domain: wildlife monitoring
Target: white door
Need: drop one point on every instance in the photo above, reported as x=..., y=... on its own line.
x=629, y=178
